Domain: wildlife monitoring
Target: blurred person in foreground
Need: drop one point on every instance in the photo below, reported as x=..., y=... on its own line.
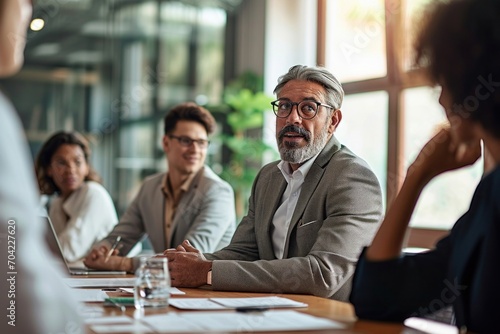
x=309, y=214
x=459, y=43
x=34, y=298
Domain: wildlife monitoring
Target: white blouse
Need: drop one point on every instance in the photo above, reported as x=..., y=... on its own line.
x=85, y=217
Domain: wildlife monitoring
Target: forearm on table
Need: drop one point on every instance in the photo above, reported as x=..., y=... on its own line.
x=300, y=275
x=127, y=264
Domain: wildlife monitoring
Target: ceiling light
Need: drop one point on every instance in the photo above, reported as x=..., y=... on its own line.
x=37, y=24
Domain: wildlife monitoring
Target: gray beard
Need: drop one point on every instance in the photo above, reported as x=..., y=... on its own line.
x=289, y=152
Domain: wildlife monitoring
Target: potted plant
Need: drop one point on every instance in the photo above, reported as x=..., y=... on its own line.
x=244, y=105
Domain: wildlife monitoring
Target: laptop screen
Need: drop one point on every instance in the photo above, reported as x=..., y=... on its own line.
x=56, y=250
x=52, y=241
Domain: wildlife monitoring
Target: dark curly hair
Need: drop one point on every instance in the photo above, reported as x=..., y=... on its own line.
x=44, y=158
x=188, y=111
x=459, y=43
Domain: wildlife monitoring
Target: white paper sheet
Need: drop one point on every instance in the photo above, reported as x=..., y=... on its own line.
x=89, y=295
x=273, y=301
x=126, y=284
x=122, y=319
x=173, y=291
x=232, y=303
x=88, y=311
x=195, y=304
x=430, y=326
x=75, y=282
x=239, y=322
x=122, y=328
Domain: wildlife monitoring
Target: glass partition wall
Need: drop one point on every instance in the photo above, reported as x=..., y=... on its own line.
x=176, y=57
x=111, y=69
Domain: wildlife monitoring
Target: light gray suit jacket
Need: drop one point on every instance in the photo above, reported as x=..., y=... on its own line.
x=205, y=215
x=337, y=214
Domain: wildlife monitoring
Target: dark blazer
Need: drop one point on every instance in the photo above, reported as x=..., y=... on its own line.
x=337, y=213
x=462, y=271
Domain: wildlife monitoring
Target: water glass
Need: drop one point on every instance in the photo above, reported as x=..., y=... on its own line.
x=152, y=283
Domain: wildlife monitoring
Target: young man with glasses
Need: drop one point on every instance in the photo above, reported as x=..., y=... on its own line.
x=188, y=202
x=309, y=215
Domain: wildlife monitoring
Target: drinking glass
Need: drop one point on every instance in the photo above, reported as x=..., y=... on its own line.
x=152, y=283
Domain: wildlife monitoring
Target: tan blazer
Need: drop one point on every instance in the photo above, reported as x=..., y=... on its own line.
x=337, y=214
x=205, y=215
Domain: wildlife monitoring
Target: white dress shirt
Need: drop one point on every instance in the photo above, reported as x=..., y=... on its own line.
x=283, y=215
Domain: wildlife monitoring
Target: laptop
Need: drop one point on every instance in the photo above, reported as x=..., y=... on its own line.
x=55, y=248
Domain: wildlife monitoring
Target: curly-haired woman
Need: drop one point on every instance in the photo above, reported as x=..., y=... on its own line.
x=82, y=211
x=460, y=46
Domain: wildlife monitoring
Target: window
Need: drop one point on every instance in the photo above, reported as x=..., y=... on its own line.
x=439, y=206
x=183, y=62
x=356, y=46
x=368, y=45
x=361, y=112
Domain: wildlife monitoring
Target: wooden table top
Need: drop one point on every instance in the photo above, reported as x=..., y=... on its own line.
x=317, y=306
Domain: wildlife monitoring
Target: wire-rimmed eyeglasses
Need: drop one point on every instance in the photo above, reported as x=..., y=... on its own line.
x=187, y=142
x=306, y=109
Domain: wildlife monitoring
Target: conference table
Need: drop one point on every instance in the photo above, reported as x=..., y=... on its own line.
x=321, y=307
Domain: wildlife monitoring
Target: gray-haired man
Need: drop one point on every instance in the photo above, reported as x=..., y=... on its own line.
x=309, y=215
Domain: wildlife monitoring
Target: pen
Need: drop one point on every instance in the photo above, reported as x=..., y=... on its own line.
x=122, y=290
x=115, y=244
x=116, y=303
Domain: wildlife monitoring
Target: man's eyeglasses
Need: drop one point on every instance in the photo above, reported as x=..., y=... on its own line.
x=187, y=142
x=306, y=109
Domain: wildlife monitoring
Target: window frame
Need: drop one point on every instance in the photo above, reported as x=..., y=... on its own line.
x=394, y=83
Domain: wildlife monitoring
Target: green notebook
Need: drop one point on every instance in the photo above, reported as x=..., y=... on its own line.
x=118, y=301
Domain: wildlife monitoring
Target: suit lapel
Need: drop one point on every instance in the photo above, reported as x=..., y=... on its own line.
x=158, y=214
x=310, y=184
x=276, y=186
x=185, y=203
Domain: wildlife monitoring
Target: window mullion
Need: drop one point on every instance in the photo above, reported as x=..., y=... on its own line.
x=395, y=137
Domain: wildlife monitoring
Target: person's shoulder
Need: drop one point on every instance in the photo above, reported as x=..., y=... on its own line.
x=153, y=180
x=336, y=154
x=345, y=163
x=490, y=182
x=93, y=188
x=151, y=184
x=268, y=171
x=210, y=179
x=345, y=156
x=270, y=167
x=493, y=176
